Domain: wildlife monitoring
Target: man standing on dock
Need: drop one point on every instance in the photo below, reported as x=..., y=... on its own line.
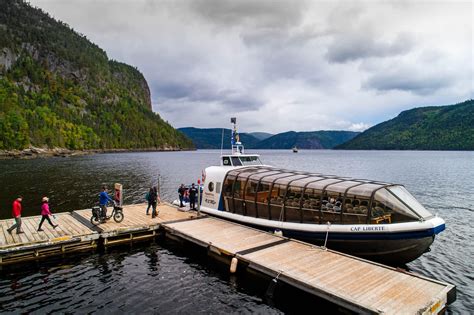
x=16, y=212
x=181, y=191
x=192, y=197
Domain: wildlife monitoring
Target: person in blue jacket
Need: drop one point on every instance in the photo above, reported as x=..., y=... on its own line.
x=104, y=199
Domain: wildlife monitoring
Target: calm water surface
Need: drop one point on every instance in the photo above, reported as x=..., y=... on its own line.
x=163, y=278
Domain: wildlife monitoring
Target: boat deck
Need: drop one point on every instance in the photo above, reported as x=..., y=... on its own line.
x=353, y=283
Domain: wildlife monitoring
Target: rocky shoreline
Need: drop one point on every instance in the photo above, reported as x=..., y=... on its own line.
x=34, y=152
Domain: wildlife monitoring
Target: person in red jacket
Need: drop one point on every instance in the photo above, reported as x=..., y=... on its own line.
x=45, y=213
x=16, y=212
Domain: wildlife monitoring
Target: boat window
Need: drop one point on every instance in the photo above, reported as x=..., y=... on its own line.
x=276, y=202
x=238, y=194
x=356, y=209
x=228, y=185
x=226, y=161
x=250, y=160
x=387, y=208
x=311, y=205
x=250, y=194
x=210, y=187
x=410, y=201
x=292, y=204
x=263, y=197
x=331, y=206
x=236, y=161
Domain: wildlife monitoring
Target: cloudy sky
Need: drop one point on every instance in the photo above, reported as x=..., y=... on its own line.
x=285, y=65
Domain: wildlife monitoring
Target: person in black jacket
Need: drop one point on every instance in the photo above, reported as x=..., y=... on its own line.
x=154, y=199
x=181, y=192
x=192, y=197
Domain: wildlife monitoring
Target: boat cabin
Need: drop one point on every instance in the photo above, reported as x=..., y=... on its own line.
x=291, y=196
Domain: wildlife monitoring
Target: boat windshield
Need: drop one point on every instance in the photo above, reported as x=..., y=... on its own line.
x=250, y=160
x=410, y=201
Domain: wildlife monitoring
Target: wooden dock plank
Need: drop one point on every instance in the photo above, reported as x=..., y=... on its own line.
x=8, y=237
x=222, y=234
x=31, y=231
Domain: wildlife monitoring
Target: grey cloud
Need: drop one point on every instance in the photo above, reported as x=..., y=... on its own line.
x=360, y=46
x=204, y=93
x=408, y=81
x=262, y=13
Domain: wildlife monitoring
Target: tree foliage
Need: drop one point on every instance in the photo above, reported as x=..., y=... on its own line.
x=427, y=128
x=60, y=90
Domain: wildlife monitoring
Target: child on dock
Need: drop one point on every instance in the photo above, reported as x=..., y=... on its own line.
x=45, y=213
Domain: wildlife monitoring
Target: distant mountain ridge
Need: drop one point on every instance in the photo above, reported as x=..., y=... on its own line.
x=449, y=127
x=211, y=138
x=323, y=139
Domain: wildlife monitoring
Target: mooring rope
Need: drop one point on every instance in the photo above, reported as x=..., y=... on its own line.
x=327, y=234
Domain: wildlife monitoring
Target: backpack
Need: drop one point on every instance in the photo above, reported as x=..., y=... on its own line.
x=147, y=196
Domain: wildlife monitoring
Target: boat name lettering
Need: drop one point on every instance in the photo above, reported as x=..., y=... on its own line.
x=367, y=228
x=212, y=202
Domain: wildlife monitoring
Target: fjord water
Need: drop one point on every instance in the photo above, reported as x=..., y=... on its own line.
x=164, y=277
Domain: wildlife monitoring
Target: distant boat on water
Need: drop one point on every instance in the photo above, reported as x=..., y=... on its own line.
x=295, y=149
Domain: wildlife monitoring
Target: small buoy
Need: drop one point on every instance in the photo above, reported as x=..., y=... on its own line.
x=233, y=265
x=278, y=233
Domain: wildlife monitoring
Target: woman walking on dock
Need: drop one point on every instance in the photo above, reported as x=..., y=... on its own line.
x=45, y=213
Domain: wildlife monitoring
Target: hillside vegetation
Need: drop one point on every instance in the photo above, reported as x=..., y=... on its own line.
x=426, y=128
x=211, y=139
x=57, y=89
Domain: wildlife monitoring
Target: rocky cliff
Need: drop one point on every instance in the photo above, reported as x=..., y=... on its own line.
x=58, y=89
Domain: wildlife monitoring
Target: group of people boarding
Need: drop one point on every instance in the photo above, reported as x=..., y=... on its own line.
x=188, y=194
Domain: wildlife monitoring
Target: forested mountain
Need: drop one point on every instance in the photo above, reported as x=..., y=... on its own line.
x=307, y=140
x=448, y=127
x=57, y=89
x=211, y=139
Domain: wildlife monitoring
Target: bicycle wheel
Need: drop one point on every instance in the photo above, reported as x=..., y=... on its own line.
x=95, y=220
x=118, y=217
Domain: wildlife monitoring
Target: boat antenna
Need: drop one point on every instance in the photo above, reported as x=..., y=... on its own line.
x=236, y=145
x=222, y=141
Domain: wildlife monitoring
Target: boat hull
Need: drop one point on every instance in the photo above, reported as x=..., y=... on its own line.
x=394, y=248
x=395, y=252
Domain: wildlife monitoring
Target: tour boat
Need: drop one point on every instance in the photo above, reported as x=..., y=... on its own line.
x=375, y=220
x=295, y=149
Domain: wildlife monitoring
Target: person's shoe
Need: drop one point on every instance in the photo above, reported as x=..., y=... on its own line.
x=55, y=226
x=21, y=232
x=9, y=231
x=153, y=216
x=39, y=230
x=147, y=213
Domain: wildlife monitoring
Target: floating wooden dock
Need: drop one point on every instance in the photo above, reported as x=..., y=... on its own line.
x=353, y=283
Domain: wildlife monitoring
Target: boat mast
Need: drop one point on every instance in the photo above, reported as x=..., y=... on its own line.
x=237, y=146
